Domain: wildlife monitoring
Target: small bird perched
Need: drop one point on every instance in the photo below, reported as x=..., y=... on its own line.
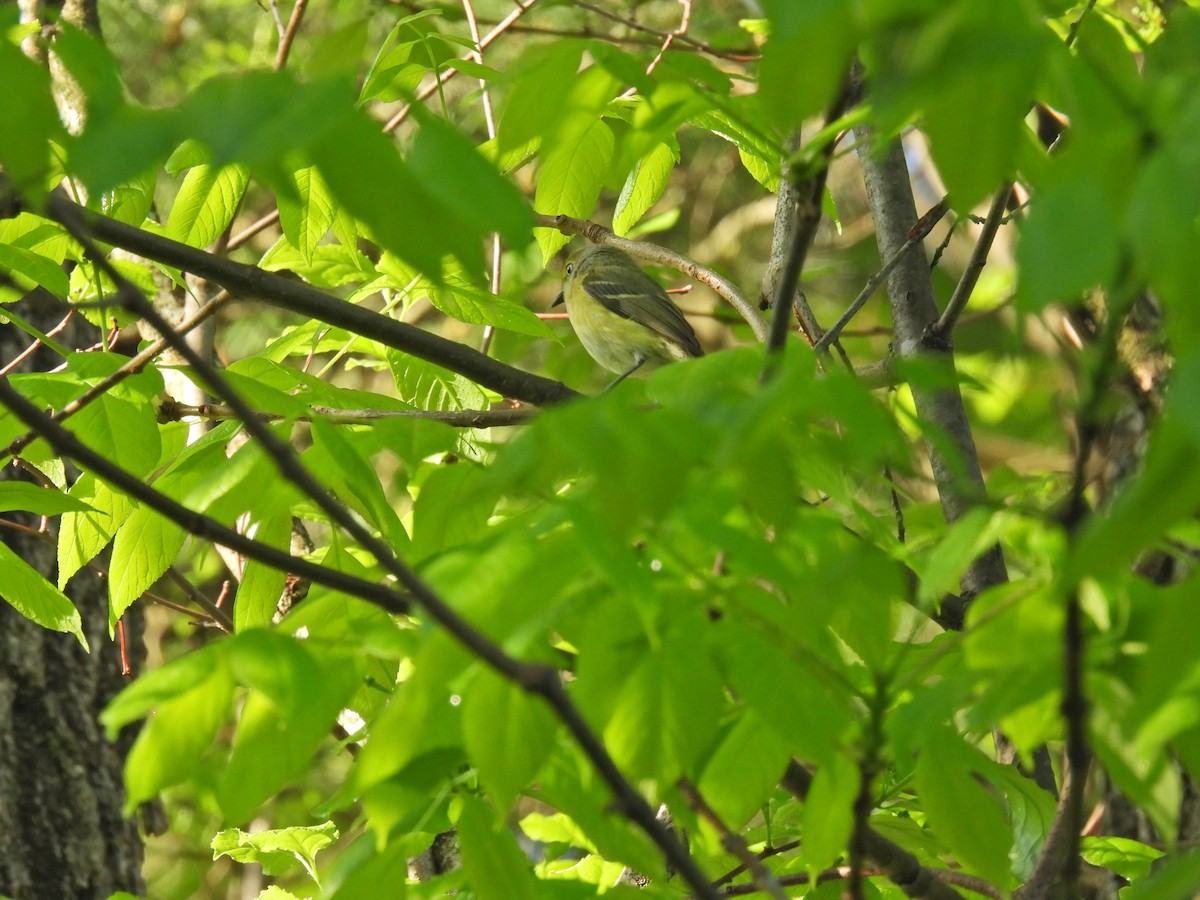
x=623, y=317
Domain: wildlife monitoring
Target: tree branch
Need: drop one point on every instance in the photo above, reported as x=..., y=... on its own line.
x=250, y=281
x=172, y=411
x=913, y=239
x=957, y=473
x=805, y=198
x=939, y=332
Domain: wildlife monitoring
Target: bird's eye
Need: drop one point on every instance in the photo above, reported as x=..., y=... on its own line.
x=570, y=268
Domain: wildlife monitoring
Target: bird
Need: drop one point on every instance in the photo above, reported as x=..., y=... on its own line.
x=622, y=316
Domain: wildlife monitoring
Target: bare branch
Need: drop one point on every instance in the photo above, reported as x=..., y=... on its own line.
x=940, y=331
x=808, y=189
x=957, y=473
x=918, y=234
x=288, y=36
x=252, y=282
x=171, y=411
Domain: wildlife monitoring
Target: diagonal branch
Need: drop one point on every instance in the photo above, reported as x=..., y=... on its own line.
x=914, y=238
x=940, y=331
x=536, y=678
x=252, y=282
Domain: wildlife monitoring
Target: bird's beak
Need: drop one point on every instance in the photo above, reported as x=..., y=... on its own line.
x=557, y=300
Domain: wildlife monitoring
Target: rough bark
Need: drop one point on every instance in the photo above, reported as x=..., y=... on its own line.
x=955, y=462
x=62, y=832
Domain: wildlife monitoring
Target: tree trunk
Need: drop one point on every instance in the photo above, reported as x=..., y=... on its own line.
x=62, y=831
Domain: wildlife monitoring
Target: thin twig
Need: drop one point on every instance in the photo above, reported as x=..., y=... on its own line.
x=198, y=597
x=679, y=32
x=288, y=37
x=252, y=229
x=33, y=348
x=645, y=29
x=489, y=119
x=446, y=74
x=135, y=365
x=766, y=853
x=940, y=331
x=918, y=233
x=764, y=879
x=653, y=253
x=172, y=411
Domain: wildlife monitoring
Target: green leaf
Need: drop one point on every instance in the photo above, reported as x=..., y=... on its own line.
x=542, y=84
x=975, y=116
x=360, y=478
x=36, y=499
x=570, y=181
x=1128, y=858
x=667, y=710
x=157, y=686
x=427, y=386
x=960, y=811
x=277, y=850
x=964, y=541
x=146, y=544
x=452, y=508
x=1068, y=243
x=829, y=812
x=330, y=265
x=366, y=175
x=82, y=535
x=262, y=585
x=806, y=59
x=388, y=866
x=469, y=304
x=276, y=733
x=124, y=432
x=744, y=769
x=206, y=203
x=27, y=100
x=27, y=269
x=495, y=865
x=644, y=186
x=30, y=594
x=1177, y=879
x=508, y=733
x=307, y=213
x=173, y=742
x=452, y=169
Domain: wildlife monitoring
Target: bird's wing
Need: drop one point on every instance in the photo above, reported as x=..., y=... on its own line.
x=649, y=304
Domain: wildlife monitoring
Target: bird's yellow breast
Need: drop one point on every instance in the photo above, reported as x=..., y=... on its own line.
x=617, y=343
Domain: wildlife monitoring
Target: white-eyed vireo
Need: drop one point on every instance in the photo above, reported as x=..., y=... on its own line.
x=623, y=317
